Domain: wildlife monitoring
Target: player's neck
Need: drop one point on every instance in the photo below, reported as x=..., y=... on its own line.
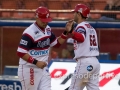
x=40, y=27
x=80, y=20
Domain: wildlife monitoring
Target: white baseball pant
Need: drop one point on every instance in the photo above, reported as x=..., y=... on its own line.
x=86, y=74
x=34, y=78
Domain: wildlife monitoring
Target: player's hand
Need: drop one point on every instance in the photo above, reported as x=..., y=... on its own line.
x=69, y=26
x=41, y=64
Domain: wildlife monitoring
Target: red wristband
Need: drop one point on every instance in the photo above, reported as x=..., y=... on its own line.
x=30, y=59
x=73, y=33
x=63, y=36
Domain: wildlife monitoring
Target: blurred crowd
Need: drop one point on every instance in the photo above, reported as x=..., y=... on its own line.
x=110, y=5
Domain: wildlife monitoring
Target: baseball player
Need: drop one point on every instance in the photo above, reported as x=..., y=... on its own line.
x=85, y=49
x=33, y=51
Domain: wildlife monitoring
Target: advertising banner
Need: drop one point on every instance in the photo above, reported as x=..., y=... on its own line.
x=10, y=85
x=61, y=73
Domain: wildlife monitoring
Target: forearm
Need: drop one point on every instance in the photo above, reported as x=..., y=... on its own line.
x=27, y=57
x=24, y=56
x=63, y=37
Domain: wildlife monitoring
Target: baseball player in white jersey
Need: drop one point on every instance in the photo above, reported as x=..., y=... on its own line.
x=85, y=49
x=33, y=51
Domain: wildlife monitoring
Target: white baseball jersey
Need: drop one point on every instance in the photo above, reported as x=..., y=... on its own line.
x=90, y=45
x=36, y=43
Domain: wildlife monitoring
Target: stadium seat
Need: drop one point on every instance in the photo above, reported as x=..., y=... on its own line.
x=95, y=16
x=8, y=4
x=6, y=14
x=118, y=16
x=23, y=15
x=65, y=15
x=31, y=4
x=17, y=15
x=104, y=56
x=10, y=70
x=54, y=5
x=53, y=15
x=118, y=56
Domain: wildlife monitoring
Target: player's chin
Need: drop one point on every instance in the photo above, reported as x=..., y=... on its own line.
x=75, y=19
x=44, y=26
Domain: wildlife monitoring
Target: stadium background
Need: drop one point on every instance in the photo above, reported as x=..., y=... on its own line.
x=10, y=31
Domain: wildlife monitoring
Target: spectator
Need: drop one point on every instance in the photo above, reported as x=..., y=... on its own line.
x=53, y=54
x=20, y=4
x=112, y=5
x=117, y=4
x=0, y=4
x=66, y=5
x=69, y=51
x=0, y=8
x=43, y=3
x=89, y=3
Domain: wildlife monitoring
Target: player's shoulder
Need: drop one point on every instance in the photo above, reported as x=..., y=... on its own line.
x=80, y=26
x=30, y=30
x=84, y=25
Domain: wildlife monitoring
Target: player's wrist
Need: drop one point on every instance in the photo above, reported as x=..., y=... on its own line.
x=32, y=60
x=63, y=36
x=65, y=33
x=35, y=61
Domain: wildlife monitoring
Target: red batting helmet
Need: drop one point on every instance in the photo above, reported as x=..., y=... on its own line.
x=43, y=14
x=83, y=9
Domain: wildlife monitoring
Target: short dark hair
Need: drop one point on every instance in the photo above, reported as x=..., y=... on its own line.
x=82, y=15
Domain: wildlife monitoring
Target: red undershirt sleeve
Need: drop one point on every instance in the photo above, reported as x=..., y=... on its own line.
x=20, y=54
x=78, y=36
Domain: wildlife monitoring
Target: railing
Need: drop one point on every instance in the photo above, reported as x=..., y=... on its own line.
x=56, y=14
x=58, y=11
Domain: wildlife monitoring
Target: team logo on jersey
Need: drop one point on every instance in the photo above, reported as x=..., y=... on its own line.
x=44, y=43
x=90, y=68
x=36, y=32
x=37, y=35
x=39, y=52
x=48, y=31
x=81, y=30
x=23, y=42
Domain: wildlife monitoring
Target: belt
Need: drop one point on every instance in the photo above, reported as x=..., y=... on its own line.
x=84, y=57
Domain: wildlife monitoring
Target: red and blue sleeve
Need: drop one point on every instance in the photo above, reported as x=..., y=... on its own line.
x=79, y=34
